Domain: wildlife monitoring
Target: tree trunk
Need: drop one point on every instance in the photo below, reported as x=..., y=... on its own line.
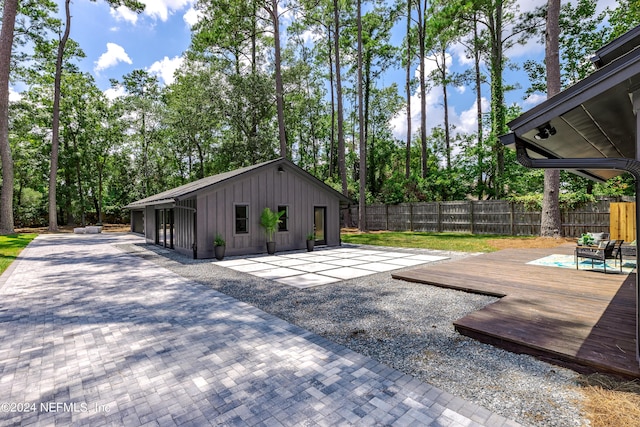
x=341, y=148
x=551, y=222
x=332, y=145
x=407, y=167
x=55, y=127
x=447, y=134
x=99, y=207
x=279, y=86
x=478, y=76
x=6, y=45
x=362, y=219
x=498, y=122
x=423, y=87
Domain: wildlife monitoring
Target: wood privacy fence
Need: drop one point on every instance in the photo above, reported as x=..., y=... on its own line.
x=480, y=217
x=623, y=221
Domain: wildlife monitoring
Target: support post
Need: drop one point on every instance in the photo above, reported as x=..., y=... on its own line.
x=636, y=109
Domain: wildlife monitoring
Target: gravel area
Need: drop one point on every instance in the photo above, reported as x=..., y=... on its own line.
x=406, y=326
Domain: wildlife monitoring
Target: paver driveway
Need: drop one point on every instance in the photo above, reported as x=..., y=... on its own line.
x=92, y=335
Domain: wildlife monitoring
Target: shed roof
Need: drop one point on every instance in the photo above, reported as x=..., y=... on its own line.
x=187, y=190
x=594, y=118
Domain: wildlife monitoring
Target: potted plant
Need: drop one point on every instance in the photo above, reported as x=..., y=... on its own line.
x=586, y=240
x=311, y=240
x=269, y=220
x=219, y=247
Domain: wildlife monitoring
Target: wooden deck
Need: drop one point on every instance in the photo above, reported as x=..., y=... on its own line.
x=584, y=320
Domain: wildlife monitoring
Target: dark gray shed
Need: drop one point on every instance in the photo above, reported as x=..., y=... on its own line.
x=592, y=127
x=187, y=218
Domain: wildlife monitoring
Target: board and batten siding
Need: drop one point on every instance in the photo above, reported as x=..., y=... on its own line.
x=184, y=233
x=150, y=224
x=264, y=188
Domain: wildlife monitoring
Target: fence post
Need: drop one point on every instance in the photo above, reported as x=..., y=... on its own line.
x=386, y=217
x=410, y=216
x=511, y=218
x=439, y=218
x=471, y=216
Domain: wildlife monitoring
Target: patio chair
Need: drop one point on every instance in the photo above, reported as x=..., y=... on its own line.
x=606, y=250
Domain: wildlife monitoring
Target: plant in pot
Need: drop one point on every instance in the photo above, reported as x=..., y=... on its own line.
x=219, y=247
x=269, y=220
x=586, y=240
x=311, y=241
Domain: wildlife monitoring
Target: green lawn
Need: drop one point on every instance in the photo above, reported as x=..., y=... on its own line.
x=463, y=242
x=10, y=247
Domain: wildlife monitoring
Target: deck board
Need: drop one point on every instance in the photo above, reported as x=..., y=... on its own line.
x=582, y=319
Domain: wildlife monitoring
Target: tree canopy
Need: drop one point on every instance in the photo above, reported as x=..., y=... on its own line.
x=254, y=86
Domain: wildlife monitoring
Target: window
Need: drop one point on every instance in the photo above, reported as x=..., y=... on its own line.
x=242, y=219
x=284, y=219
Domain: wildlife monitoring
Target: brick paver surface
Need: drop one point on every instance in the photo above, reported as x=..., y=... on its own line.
x=90, y=335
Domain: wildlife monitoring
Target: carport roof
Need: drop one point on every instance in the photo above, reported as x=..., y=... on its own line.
x=592, y=119
x=187, y=190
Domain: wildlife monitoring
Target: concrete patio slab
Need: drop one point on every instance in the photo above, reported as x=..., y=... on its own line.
x=372, y=258
x=95, y=336
x=345, y=262
x=337, y=263
x=345, y=273
x=406, y=262
x=308, y=280
x=378, y=267
x=276, y=273
x=314, y=267
x=251, y=267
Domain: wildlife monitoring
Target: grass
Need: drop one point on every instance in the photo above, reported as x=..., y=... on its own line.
x=463, y=242
x=10, y=246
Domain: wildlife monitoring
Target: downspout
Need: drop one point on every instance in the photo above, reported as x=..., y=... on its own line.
x=629, y=165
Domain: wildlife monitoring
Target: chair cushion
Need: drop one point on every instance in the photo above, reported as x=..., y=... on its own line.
x=597, y=237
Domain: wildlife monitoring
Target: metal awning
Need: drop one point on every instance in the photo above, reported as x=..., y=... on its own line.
x=591, y=128
x=594, y=118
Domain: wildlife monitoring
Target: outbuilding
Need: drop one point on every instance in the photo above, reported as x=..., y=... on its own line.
x=188, y=218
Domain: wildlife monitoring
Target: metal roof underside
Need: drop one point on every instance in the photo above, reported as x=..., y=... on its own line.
x=593, y=118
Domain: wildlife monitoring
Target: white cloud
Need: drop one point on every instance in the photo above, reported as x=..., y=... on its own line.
x=156, y=9
x=467, y=121
x=459, y=51
x=114, y=54
x=535, y=99
x=166, y=68
x=14, y=96
x=161, y=9
x=113, y=93
x=192, y=16
x=122, y=13
x=310, y=37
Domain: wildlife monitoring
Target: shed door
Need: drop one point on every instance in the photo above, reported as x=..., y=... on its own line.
x=319, y=221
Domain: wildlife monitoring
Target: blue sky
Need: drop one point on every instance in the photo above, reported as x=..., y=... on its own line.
x=117, y=42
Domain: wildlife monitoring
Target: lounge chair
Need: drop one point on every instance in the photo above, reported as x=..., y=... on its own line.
x=606, y=250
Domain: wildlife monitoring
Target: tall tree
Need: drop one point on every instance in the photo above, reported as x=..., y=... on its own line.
x=551, y=222
x=282, y=135
x=342, y=166
x=421, y=23
x=55, y=126
x=407, y=164
x=362, y=218
x=6, y=46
